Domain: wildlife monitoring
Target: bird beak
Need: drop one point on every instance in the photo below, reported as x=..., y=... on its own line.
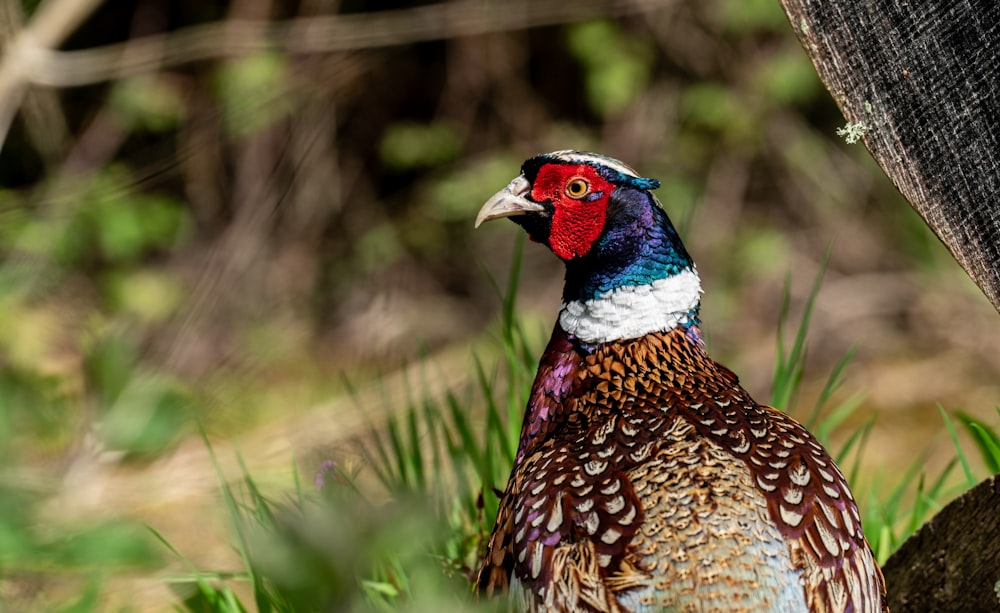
x=508, y=202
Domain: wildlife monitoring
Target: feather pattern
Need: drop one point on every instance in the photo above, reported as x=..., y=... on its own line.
x=650, y=480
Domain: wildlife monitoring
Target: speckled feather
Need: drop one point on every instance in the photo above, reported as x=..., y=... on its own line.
x=648, y=479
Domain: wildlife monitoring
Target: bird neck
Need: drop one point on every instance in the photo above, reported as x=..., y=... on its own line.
x=631, y=311
x=638, y=279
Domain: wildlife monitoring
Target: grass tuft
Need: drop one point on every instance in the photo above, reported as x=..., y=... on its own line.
x=970, y=479
x=790, y=364
x=986, y=440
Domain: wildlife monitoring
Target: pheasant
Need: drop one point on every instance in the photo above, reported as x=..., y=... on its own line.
x=646, y=478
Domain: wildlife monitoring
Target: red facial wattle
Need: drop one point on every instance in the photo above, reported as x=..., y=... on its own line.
x=576, y=222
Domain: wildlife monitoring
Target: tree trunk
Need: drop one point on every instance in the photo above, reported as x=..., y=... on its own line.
x=917, y=80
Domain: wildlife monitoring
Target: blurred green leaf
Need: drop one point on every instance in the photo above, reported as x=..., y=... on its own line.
x=762, y=251
x=679, y=196
x=110, y=220
x=150, y=295
x=164, y=220
x=741, y=16
x=69, y=242
x=88, y=601
x=378, y=248
x=149, y=102
x=617, y=66
x=147, y=417
x=719, y=109
x=458, y=195
x=108, y=366
x=119, y=231
x=129, y=225
x=409, y=145
x=209, y=598
x=14, y=216
x=17, y=542
x=252, y=91
x=109, y=544
x=33, y=407
x=788, y=78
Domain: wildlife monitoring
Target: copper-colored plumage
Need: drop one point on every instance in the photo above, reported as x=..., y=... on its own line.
x=651, y=479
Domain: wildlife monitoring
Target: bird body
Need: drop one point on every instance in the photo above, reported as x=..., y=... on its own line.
x=646, y=478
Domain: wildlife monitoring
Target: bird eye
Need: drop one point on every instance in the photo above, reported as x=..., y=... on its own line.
x=577, y=188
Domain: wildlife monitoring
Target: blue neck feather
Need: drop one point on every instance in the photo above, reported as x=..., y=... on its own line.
x=638, y=246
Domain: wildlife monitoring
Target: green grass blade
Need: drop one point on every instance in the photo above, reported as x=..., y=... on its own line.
x=233, y=509
x=528, y=362
x=986, y=440
x=496, y=429
x=780, y=366
x=832, y=383
x=434, y=423
x=375, y=449
x=864, y=432
x=261, y=506
x=377, y=459
x=970, y=479
x=896, y=495
x=417, y=429
x=856, y=438
x=789, y=367
x=263, y=514
x=459, y=462
x=927, y=500
x=510, y=296
x=919, y=507
x=467, y=444
x=398, y=451
x=837, y=417
x=885, y=544
x=297, y=485
x=937, y=488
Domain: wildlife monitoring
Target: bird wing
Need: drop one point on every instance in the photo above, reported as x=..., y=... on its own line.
x=807, y=498
x=567, y=512
x=810, y=501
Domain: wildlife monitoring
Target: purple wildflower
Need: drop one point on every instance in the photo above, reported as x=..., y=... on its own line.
x=327, y=467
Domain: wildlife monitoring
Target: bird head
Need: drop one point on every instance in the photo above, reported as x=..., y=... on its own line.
x=601, y=218
x=565, y=199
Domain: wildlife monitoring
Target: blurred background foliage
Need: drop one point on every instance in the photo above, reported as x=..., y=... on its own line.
x=268, y=243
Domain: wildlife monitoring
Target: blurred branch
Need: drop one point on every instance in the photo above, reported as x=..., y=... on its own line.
x=49, y=26
x=43, y=119
x=324, y=34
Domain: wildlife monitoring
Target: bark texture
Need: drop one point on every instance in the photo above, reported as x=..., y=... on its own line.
x=953, y=562
x=919, y=79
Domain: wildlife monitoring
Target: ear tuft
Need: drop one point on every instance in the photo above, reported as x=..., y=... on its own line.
x=644, y=183
x=625, y=180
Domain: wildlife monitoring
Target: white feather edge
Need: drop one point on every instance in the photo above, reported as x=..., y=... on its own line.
x=632, y=311
x=594, y=159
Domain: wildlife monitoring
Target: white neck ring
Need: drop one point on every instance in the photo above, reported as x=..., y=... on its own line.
x=632, y=311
